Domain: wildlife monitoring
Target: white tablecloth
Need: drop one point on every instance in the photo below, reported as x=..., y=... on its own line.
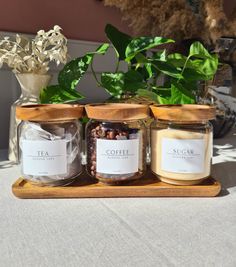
x=122, y=232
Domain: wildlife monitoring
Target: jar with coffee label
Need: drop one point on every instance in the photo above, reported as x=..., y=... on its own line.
x=116, y=142
x=181, y=143
x=50, y=143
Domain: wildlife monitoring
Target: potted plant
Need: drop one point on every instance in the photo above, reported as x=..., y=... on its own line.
x=209, y=21
x=144, y=73
x=29, y=61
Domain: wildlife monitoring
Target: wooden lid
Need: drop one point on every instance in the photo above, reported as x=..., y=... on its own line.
x=117, y=111
x=185, y=113
x=49, y=112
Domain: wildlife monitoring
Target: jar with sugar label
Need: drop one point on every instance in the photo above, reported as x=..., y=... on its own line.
x=49, y=143
x=181, y=143
x=116, y=142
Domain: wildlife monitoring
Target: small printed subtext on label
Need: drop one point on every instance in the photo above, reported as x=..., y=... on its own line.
x=117, y=156
x=183, y=156
x=44, y=157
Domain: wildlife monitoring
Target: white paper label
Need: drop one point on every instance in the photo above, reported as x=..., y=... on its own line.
x=117, y=156
x=183, y=156
x=42, y=158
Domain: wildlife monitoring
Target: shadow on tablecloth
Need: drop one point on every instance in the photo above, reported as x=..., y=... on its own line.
x=4, y=163
x=224, y=170
x=7, y=164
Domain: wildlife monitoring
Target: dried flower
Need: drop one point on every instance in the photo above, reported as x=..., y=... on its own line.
x=178, y=19
x=25, y=56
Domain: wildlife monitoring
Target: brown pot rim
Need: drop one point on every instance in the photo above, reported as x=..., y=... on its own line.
x=117, y=111
x=184, y=112
x=49, y=112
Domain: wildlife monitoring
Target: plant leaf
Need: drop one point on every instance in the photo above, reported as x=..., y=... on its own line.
x=198, y=50
x=160, y=55
x=178, y=97
x=56, y=94
x=162, y=91
x=207, y=67
x=73, y=71
x=179, y=60
x=148, y=67
x=184, y=89
x=167, y=69
x=133, y=81
x=193, y=75
x=119, y=40
x=101, y=50
x=140, y=44
x=148, y=94
x=133, y=75
x=163, y=101
x=140, y=58
x=113, y=83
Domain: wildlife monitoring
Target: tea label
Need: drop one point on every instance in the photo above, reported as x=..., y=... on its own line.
x=117, y=156
x=183, y=156
x=44, y=158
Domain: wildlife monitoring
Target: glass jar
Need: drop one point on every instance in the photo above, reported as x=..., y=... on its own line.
x=30, y=85
x=50, y=143
x=181, y=143
x=116, y=142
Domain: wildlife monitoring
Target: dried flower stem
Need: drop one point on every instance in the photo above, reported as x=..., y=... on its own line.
x=25, y=56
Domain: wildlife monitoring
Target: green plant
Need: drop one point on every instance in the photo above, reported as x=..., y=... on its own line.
x=182, y=87
x=145, y=70
x=68, y=78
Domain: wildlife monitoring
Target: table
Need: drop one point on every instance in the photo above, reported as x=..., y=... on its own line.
x=122, y=232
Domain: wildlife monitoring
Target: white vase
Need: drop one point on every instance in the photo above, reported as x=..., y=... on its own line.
x=30, y=84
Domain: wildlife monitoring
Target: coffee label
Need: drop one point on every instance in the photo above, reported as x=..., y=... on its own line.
x=117, y=156
x=183, y=156
x=42, y=158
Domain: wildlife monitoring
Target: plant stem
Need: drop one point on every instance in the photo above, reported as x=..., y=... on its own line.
x=155, y=66
x=117, y=65
x=94, y=74
x=185, y=64
x=154, y=82
x=15, y=43
x=129, y=65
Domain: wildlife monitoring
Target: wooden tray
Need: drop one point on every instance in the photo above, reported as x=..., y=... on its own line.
x=85, y=187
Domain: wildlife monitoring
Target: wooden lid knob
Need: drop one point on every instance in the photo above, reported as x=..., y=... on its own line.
x=117, y=111
x=184, y=113
x=49, y=112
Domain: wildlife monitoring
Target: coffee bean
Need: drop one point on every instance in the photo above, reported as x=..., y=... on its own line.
x=109, y=131
x=94, y=163
x=111, y=135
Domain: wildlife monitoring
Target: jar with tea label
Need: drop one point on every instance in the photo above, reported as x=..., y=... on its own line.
x=181, y=143
x=50, y=143
x=116, y=142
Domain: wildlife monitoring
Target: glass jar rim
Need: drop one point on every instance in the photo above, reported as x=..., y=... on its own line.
x=117, y=111
x=182, y=122
x=184, y=113
x=49, y=112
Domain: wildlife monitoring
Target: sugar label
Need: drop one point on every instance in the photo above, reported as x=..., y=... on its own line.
x=183, y=156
